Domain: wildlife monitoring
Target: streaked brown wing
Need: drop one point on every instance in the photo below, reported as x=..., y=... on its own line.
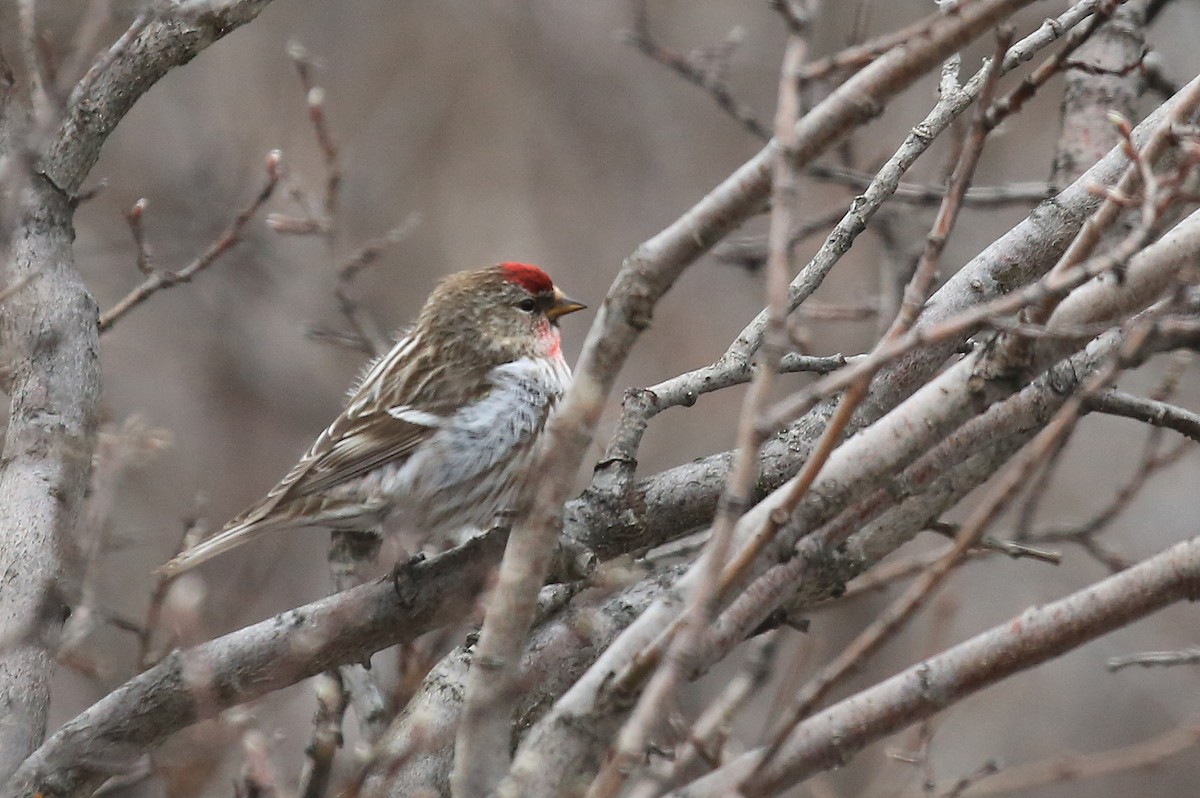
x=361, y=444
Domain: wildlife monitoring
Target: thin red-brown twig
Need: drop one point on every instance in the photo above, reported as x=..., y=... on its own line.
x=159, y=279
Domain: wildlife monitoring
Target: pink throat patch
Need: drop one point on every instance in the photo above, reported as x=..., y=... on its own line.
x=550, y=339
x=528, y=276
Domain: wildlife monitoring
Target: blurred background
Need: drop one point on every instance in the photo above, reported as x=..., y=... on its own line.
x=526, y=130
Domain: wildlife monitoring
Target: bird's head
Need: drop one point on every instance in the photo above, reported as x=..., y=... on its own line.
x=510, y=309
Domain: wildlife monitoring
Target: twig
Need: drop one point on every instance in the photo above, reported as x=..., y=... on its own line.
x=710, y=81
x=1150, y=411
x=821, y=311
x=1086, y=534
x=368, y=337
x=347, y=270
x=1148, y=659
x=1009, y=548
x=352, y=554
x=860, y=55
x=1067, y=767
x=326, y=736
x=158, y=279
x=704, y=741
x=369, y=251
x=976, y=196
x=145, y=262
x=986, y=770
x=366, y=328
x=314, y=96
x=751, y=253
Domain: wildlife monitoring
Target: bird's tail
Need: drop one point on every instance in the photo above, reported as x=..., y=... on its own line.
x=219, y=543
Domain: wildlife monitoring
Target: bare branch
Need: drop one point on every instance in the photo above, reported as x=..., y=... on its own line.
x=1035, y=636
x=332, y=701
x=200, y=682
x=157, y=279
x=1150, y=411
x=915, y=294
x=1069, y=767
x=150, y=48
x=976, y=196
x=685, y=68
x=1148, y=659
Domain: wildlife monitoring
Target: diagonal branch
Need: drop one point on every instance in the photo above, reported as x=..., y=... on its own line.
x=200, y=682
x=151, y=47
x=1156, y=413
x=1037, y=635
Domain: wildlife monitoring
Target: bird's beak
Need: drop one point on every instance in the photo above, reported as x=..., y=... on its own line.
x=563, y=305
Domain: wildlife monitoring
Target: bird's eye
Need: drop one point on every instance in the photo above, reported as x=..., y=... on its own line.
x=527, y=305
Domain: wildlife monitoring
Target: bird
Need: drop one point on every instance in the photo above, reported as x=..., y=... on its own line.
x=439, y=430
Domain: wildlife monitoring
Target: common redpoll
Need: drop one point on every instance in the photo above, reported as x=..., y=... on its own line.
x=440, y=429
